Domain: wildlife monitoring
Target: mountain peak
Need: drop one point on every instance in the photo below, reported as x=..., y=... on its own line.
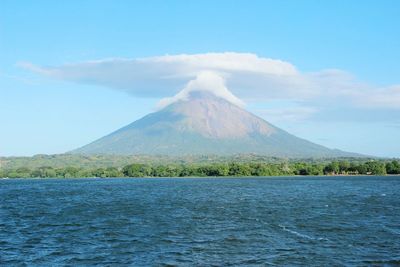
x=215, y=117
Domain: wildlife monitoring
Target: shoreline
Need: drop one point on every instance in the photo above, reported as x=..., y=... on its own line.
x=203, y=177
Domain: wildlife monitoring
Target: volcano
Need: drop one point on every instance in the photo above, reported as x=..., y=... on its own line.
x=204, y=124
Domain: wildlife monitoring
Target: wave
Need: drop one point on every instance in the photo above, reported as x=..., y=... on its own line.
x=284, y=228
x=391, y=230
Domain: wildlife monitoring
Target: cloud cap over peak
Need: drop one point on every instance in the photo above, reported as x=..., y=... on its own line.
x=207, y=81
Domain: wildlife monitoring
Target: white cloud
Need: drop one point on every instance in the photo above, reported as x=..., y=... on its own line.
x=233, y=76
x=162, y=76
x=205, y=81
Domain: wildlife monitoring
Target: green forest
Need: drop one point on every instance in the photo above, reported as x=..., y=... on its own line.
x=340, y=167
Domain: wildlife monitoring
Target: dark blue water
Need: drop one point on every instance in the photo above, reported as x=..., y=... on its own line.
x=203, y=222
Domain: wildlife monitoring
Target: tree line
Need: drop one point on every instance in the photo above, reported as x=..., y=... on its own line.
x=373, y=167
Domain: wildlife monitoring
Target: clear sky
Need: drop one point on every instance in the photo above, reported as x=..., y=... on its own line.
x=359, y=39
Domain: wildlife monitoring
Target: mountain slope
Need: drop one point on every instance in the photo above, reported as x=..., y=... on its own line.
x=204, y=125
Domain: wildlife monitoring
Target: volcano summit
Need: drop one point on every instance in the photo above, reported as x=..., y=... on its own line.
x=204, y=124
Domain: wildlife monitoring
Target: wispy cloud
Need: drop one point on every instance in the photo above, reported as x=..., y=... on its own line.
x=288, y=114
x=234, y=76
x=388, y=97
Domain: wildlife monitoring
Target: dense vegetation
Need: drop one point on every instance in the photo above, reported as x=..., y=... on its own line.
x=341, y=167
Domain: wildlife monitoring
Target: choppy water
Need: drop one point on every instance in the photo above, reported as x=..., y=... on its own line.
x=252, y=222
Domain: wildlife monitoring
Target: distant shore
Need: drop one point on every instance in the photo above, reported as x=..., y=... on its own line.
x=67, y=166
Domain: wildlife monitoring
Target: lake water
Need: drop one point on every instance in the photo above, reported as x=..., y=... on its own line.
x=184, y=222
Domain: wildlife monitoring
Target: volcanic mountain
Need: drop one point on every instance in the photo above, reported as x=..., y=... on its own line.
x=204, y=124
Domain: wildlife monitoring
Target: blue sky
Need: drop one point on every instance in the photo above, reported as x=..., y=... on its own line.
x=358, y=39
